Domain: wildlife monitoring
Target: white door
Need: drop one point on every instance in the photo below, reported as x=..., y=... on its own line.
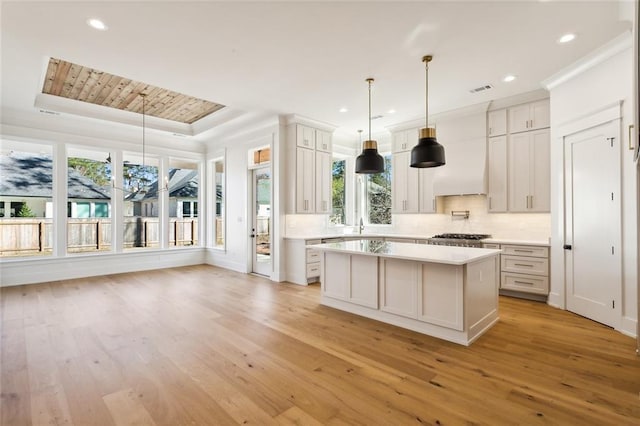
x=592, y=223
x=261, y=226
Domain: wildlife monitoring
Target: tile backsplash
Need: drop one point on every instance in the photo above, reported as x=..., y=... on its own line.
x=526, y=226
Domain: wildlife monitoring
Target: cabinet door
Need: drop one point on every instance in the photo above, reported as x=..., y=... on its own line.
x=323, y=182
x=539, y=179
x=399, y=287
x=305, y=178
x=497, y=122
x=519, y=161
x=323, y=141
x=497, y=194
x=519, y=118
x=336, y=275
x=539, y=114
x=440, y=297
x=305, y=136
x=363, y=288
x=404, y=184
x=425, y=186
x=400, y=142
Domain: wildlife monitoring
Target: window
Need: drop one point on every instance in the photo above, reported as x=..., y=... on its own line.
x=219, y=210
x=88, y=200
x=26, y=194
x=184, y=180
x=338, y=192
x=140, y=196
x=377, y=195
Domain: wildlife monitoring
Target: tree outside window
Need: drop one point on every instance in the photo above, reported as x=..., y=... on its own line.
x=338, y=192
x=378, y=195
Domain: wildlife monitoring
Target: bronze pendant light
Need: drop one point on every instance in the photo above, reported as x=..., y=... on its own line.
x=369, y=161
x=428, y=152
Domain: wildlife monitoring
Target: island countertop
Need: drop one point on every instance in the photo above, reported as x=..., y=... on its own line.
x=407, y=251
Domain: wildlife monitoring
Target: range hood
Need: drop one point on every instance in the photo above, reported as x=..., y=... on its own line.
x=464, y=137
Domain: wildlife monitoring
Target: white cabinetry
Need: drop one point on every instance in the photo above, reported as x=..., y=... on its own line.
x=412, y=188
x=323, y=182
x=525, y=269
x=352, y=278
x=497, y=194
x=303, y=264
x=531, y=116
x=305, y=180
x=427, y=196
x=404, y=184
x=529, y=171
x=497, y=122
x=309, y=165
x=399, y=287
x=404, y=140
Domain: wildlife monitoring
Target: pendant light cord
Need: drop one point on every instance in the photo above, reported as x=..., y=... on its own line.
x=426, y=66
x=370, y=80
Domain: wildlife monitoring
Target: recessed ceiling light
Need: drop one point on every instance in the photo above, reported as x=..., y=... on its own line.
x=566, y=38
x=391, y=111
x=343, y=109
x=509, y=78
x=97, y=24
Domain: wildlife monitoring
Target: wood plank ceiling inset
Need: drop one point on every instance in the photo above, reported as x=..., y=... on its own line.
x=73, y=81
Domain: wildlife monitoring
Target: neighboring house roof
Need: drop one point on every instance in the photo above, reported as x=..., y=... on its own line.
x=183, y=183
x=30, y=175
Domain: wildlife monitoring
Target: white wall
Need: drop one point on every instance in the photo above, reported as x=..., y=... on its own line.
x=606, y=81
x=236, y=146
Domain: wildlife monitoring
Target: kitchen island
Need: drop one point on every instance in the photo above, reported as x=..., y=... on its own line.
x=446, y=292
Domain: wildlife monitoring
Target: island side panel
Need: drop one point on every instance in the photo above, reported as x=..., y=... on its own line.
x=399, y=287
x=441, y=295
x=481, y=296
x=363, y=283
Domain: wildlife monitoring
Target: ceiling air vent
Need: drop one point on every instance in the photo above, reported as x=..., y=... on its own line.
x=46, y=111
x=377, y=117
x=481, y=88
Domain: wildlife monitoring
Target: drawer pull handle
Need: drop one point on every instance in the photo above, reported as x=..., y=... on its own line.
x=523, y=251
x=523, y=282
x=523, y=264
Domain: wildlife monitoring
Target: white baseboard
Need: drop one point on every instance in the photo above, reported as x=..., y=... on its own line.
x=629, y=327
x=31, y=271
x=216, y=258
x=555, y=300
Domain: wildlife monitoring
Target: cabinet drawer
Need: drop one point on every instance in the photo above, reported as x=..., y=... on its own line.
x=313, y=256
x=532, y=251
x=313, y=269
x=524, y=283
x=524, y=265
x=491, y=246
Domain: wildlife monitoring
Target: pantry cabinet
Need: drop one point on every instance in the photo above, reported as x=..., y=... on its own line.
x=529, y=171
x=309, y=168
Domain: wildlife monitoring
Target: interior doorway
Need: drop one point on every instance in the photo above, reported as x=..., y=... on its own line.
x=593, y=227
x=262, y=220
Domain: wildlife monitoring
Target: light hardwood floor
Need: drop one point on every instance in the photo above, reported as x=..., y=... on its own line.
x=203, y=345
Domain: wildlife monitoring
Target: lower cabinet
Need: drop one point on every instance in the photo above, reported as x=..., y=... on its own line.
x=437, y=288
x=353, y=278
x=523, y=269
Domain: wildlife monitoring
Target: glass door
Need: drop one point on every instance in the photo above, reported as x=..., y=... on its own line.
x=261, y=227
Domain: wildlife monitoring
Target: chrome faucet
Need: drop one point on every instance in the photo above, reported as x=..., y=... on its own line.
x=361, y=227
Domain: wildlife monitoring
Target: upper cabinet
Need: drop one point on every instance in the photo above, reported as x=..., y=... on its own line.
x=405, y=140
x=497, y=122
x=305, y=136
x=323, y=141
x=531, y=116
x=405, y=184
x=529, y=171
x=309, y=169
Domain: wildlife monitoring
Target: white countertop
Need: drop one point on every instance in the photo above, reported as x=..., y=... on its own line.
x=516, y=241
x=409, y=251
